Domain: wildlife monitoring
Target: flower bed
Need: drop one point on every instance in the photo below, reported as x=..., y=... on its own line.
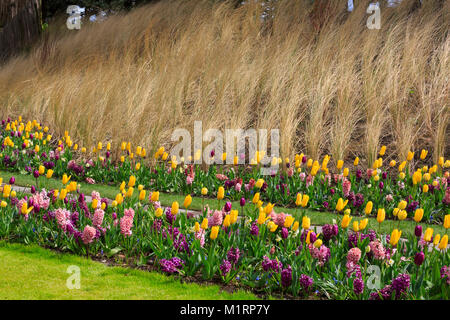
x=252, y=245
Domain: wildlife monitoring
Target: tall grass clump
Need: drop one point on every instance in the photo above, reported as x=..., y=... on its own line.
x=317, y=73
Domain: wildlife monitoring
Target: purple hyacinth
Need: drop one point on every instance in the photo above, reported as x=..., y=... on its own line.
x=171, y=265
x=329, y=231
x=358, y=286
x=401, y=284
x=225, y=267
x=306, y=282
x=286, y=277
x=233, y=255
x=254, y=230
x=169, y=216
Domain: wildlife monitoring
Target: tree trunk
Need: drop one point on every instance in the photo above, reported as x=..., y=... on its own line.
x=20, y=25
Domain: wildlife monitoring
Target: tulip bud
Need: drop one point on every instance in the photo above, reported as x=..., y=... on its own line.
x=418, y=259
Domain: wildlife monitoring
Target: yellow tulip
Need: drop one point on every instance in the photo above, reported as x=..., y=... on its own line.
x=187, y=201
x=65, y=179
x=402, y=175
x=220, y=193
x=175, y=207
x=395, y=211
x=441, y=161
x=119, y=198
x=295, y=226
x=204, y=224
x=444, y=242
x=383, y=150
x=410, y=156
x=340, y=164
x=402, y=215
x=129, y=192
x=392, y=163
x=197, y=227
x=63, y=194
x=288, y=221
x=272, y=226
x=305, y=200
x=306, y=223
x=318, y=243
x=355, y=226
x=138, y=166
x=447, y=221
x=363, y=224
x=368, y=208
x=340, y=205
x=234, y=216
x=259, y=183
x=261, y=217
x=423, y=154
x=308, y=237
x=3, y=204
x=214, y=232
x=381, y=214
x=132, y=181
x=227, y=221
x=355, y=163
x=425, y=188
x=256, y=198
x=268, y=209
x=25, y=210
x=346, y=172
x=402, y=205
x=436, y=239
x=395, y=237
x=204, y=191
x=428, y=234
x=346, y=221
x=418, y=215
x=142, y=195
x=155, y=196
x=298, y=200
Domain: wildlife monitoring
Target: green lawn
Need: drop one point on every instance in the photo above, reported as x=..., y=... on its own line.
x=317, y=217
x=30, y=272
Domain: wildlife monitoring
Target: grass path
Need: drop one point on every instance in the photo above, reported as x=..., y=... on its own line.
x=30, y=272
x=317, y=217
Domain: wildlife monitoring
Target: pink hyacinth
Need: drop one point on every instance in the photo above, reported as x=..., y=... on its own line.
x=62, y=217
x=98, y=218
x=189, y=180
x=309, y=180
x=238, y=187
x=369, y=173
x=41, y=199
x=376, y=247
x=346, y=186
x=221, y=177
x=88, y=234
x=322, y=254
x=126, y=223
x=129, y=213
x=389, y=198
x=278, y=218
x=96, y=195
x=354, y=254
x=302, y=176
x=216, y=219
x=201, y=236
